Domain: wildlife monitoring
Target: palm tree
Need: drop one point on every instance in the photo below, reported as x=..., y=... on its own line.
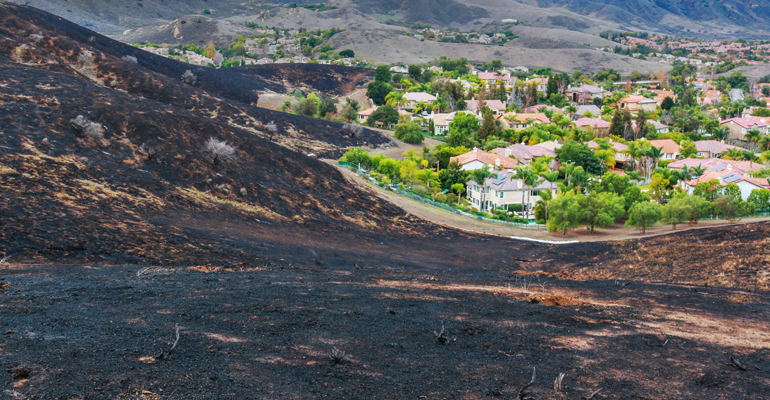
x=721, y=133
x=394, y=99
x=529, y=180
x=653, y=155
x=631, y=151
x=569, y=171
x=545, y=197
x=733, y=154
x=605, y=152
x=480, y=177
x=752, y=135
x=571, y=110
x=764, y=142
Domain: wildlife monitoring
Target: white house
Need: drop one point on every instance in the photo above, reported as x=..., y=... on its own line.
x=501, y=191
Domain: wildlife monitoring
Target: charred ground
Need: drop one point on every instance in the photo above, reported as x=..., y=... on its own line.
x=273, y=260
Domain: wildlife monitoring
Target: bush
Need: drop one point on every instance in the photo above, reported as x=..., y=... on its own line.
x=189, y=78
x=358, y=156
x=130, y=59
x=92, y=131
x=409, y=132
x=354, y=130
x=219, y=150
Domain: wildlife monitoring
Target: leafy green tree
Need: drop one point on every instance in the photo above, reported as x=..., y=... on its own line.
x=415, y=71
x=458, y=188
x=565, y=212
x=358, y=156
x=667, y=103
x=760, y=198
x=732, y=208
x=382, y=73
x=581, y=155
x=490, y=126
x=677, y=211
x=601, y=209
x=409, y=132
x=621, y=186
x=327, y=107
x=385, y=114
x=389, y=167
x=428, y=177
x=347, y=53
x=708, y=190
x=309, y=106
x=444, y=152
x=732, y=190
x=463, y=131
x=644, y=215
x=377, y=91
x=408, y=170
x=688, y=148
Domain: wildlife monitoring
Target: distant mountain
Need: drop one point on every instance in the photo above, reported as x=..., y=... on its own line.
x=659, y=13
x=440, y=12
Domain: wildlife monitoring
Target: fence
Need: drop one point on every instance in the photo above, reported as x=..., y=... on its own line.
x=440, y=205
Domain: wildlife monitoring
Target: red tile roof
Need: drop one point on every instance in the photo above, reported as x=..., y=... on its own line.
x=669, y=146
x=486, y=158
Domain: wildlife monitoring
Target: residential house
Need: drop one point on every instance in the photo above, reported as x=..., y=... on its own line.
x=540, y=107
x=726, y=176
x=524, y=154
x=600, y=127
x=710, y=97
x=520, y=121
x=743, y=167
x=585, y=94
x=596, y=111
x=669, y=148
x=477, y=159
x=712, y=148
x=364, y=115
x=550, y=145
x=399, y=69
x=496, y=106
x=619, y=148
x=661, y=95
x=634, y=104
x=542, y=84
x=413, y=99
x=492, y=77
x=659, y=127
x=502, y=191
x=739, y=126
x=441, y=123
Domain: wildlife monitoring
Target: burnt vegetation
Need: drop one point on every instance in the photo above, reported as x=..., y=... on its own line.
x=167, y=240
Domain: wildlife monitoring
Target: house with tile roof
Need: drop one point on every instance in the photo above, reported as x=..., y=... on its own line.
x=413, y=99
x=739, y=126
x=474, y=106
x=599, y=126
x=725, y=177
x=501, y=191
x=743, y=167
x=712, y=148
x=634, y=104
x=669, y=148
x=581, y=110
x=585, y=94
x=477, y=159
x=523, y=153
x=441, y=122
x=520, y=121
x=619, y=148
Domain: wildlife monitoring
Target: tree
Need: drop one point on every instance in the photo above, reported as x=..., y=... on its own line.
x=687, y=148
x=309, y=106
x=565, y=212
x=667, y=103
x=490, y=125
x=616, y=125
x=643, y=215
x=428, y=176
x=463, y=130
x=708, y=190
x=210, y=50
x=732, y=208
x=347, y=53
x=358, y=156
x=386, y=114
x=408, y=170
x=480, y=177
x=377, y=91
x=760, y=198
x=601, y=209
x=581, y=155
x=327, y=107
x=219, y=150
x=444, y=152
x=699, y=208
x=409, y=132
x=677, y=211
x=529, y=180
x=621, y=186
x=452, y=175
x=382, y=73
x=458, y=188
